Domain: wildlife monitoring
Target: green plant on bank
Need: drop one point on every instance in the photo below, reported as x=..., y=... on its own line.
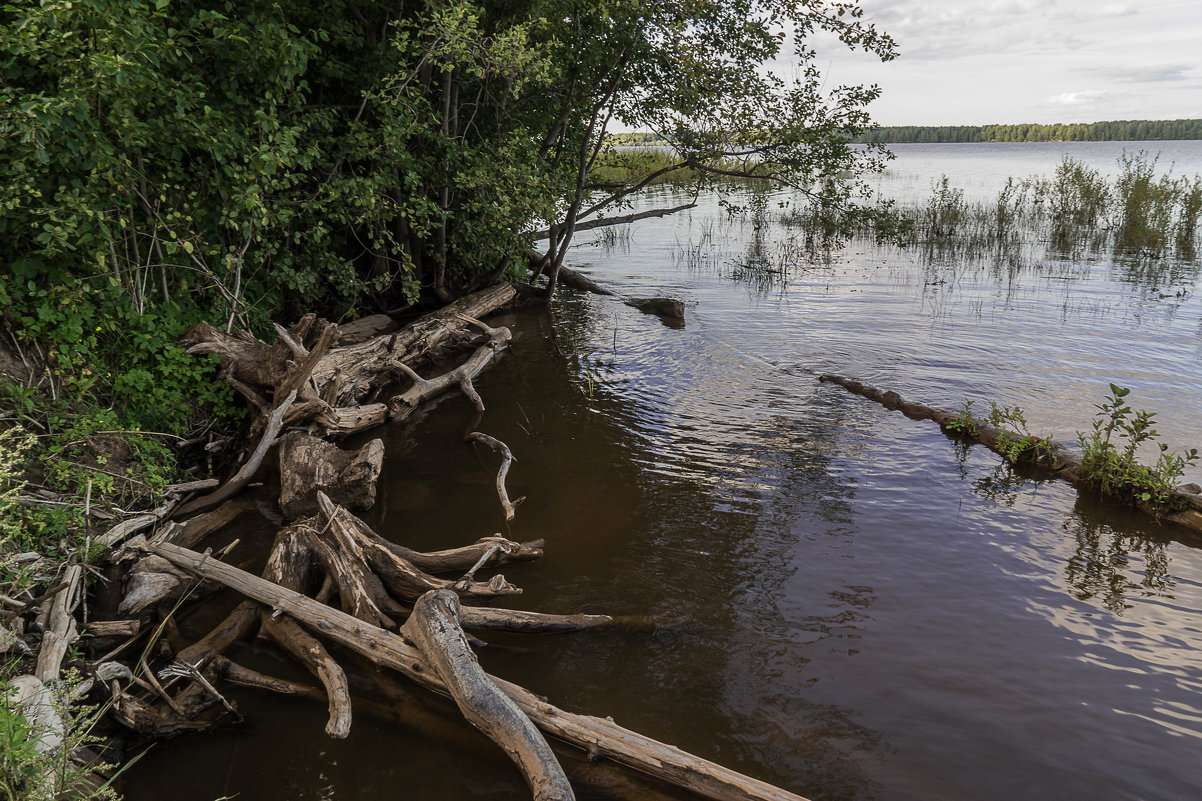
x=1109, y=453
x=1015, y=442
x=963, y=422
x=31, y=772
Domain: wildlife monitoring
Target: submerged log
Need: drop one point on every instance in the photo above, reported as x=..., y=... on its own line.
x=483, y=618
x=434, y=629
x=1054, y=458
x=597, y=736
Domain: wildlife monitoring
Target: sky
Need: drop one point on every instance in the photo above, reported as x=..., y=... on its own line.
x=977, y=62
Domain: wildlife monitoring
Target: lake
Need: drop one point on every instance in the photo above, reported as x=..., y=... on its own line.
x=878, y=611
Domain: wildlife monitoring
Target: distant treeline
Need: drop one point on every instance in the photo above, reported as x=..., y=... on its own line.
x=1115, y=131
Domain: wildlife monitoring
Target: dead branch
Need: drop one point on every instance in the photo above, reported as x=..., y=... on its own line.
x=507, y=459
x=243, y=476
x=62, y=630
x=434, y=629
x=424, y=389
x=399, y=575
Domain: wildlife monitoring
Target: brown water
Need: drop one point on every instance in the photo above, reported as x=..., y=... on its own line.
x=879, y=612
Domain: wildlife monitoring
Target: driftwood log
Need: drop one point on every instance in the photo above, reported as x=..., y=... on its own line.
x=434, y=630
x=1055, y=460
x=335, y=384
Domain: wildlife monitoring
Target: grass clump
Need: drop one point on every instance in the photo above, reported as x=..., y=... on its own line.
x=1109, y=454
x=36, y=756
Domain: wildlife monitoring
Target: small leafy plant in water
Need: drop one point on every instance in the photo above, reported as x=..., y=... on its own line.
x=1109, y=453
x=963, y=422
x=1015, y=442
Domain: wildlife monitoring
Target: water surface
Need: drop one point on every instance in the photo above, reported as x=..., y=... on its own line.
x=879, y=612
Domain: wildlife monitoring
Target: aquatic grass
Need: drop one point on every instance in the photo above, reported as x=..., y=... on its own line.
x=1076, y=213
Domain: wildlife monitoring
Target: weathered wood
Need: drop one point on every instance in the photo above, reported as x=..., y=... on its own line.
x=401, y=578
x=434, y=629
x=309, y=465
x=240, y=479
x=191, y=532
x=151, y=581
x=424, y=389
x=288, y=566
x=237, y=625
x=62, y=630
x=346, y=420
x=453, y=560
x=113, y=628
x=597, y=736
x=484, y=618
x=308, y=650
x=507, y=459
x=360, y=590
x=365, y=328
x=134, y=524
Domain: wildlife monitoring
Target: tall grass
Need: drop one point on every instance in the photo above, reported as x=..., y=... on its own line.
x=1077, y=210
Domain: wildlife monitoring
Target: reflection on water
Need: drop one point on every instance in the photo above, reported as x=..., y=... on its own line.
x=879, y=611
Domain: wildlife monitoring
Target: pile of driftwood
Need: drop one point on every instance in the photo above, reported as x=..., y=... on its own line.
x=334, y=592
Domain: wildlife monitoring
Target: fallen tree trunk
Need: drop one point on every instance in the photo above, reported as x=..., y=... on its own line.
x=1055, y=459
x=596, y=736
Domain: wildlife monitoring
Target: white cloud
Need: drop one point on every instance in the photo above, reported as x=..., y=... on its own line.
x=1153, y=73
x=1081, y=98
x=973, y=62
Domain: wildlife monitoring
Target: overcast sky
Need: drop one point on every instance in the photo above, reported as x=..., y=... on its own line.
x=975, y=62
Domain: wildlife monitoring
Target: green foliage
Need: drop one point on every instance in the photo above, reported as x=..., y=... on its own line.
x=963, y=422
x=31, y=772
x=1109, y=453
x=15, y=444
x=1115, y=131
x=1015, y=442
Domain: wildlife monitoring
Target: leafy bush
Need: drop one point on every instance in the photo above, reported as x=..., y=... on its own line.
x=1109, y=453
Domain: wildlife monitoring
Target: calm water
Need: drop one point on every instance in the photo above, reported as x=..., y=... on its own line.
x=879, y=612
x=982, y=169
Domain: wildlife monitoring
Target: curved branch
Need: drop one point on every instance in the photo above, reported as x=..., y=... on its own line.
x=434, y=628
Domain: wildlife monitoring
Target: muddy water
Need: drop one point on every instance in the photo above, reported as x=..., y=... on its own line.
x=879, y=613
